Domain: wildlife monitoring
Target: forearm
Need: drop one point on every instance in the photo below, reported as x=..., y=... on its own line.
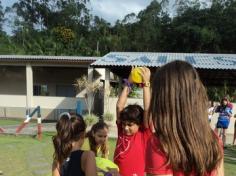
x=146, y=105
x=122, y=101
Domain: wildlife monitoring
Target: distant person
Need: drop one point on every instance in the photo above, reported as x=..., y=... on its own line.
x=183, y=143
x=133, y=129
x=234, y=139
x=225, y=113
x=97, y=140
x=211, y=110
x=69, y=159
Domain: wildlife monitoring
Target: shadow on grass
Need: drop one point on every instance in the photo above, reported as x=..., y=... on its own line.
x=230, y=155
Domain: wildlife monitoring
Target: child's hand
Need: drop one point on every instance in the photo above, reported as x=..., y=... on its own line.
x=146, y=74
x=130, y=77
x=113, y=172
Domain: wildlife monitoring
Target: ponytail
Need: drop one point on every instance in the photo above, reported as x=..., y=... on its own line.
x=70, y=127
x=62, y=140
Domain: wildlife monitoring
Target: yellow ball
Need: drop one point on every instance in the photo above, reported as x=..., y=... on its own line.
x=136, y=75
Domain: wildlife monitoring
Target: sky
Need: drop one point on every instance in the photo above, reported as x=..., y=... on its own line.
x=110, y=10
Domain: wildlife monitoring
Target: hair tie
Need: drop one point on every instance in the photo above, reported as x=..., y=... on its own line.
x=65, y=114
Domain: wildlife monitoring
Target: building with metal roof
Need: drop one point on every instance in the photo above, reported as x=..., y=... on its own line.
x=54, y=60
x=214, y=69
x=45, y=81
x=198, y=60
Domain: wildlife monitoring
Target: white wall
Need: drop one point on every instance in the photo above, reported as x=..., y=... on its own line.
x=15, y=105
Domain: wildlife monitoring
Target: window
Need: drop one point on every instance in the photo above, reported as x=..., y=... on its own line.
x=65, y=91
x=41, y=90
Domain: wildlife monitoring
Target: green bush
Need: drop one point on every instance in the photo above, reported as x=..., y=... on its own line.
x=108, y=116
x=90, y=119
x=135, y=92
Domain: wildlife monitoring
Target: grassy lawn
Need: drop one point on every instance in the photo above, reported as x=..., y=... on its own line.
x=4, y=122
x=230, y=161
x=7, y=121
x=26, y=156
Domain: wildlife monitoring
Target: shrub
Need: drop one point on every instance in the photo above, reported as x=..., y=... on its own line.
x=90, y=119
x=108, y=116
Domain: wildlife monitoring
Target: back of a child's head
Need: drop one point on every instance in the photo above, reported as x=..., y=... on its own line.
x=70, y=127
x=179, y=113
x=178, y=94
x=132, y=113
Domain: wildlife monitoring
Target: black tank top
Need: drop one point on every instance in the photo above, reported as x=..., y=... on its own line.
x=72, y=165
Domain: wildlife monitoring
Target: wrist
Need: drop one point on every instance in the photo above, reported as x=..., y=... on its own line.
x=146, y=84
x=127, y=83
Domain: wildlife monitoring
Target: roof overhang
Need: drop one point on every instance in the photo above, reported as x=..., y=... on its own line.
x=46, y=60
x=214, y=69
x=198, y=60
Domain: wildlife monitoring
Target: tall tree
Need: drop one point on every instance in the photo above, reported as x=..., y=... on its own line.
x=1, y=16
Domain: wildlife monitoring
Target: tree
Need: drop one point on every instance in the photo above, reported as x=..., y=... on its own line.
x=1, y=16
x=91, y=89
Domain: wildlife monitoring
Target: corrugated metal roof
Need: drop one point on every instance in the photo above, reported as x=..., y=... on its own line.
x=46, y=58
x=198, y=60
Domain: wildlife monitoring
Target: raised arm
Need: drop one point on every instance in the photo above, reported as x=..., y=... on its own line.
x=146, y=74
x=121, y=102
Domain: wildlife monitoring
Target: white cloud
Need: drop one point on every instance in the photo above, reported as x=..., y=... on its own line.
x=112, y=10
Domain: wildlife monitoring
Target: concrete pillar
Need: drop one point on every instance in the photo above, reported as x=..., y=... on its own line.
x=29, y=88
x=106, y=90
x=90, y=97
x=90, y=74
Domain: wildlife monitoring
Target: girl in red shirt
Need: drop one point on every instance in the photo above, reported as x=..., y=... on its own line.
x=183, y=142
x=133, y=130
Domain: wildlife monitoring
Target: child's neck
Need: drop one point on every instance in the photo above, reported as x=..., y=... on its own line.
x=76, y=145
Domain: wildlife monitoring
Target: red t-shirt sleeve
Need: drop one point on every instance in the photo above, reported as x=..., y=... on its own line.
x=155, y=158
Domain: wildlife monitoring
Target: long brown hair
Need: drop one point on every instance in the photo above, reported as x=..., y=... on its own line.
x=92, y=143
x=70, y=127
x=179, y=113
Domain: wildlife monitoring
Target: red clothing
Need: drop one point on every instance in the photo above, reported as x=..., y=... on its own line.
x=156, y=160
x=130, y=152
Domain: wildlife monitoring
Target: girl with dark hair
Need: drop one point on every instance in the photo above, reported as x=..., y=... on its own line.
x=183, y=143
x=97, y=140
x=133, y=129
x=68, y=158
x=225, y=113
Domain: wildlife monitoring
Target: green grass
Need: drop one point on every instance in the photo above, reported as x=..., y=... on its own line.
x=7, y=121
x=27, y=156
x=4, y=122
x=230, y=161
